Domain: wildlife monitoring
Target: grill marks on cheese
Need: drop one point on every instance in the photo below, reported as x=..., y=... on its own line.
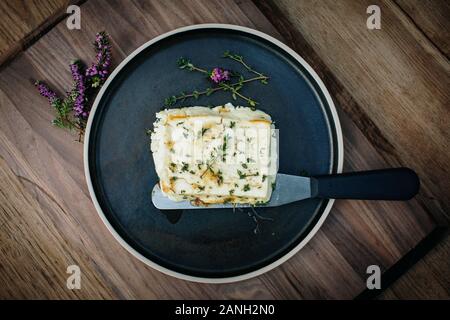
x=218, y=155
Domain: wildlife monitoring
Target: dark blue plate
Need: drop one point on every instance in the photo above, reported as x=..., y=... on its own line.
x=208, y=244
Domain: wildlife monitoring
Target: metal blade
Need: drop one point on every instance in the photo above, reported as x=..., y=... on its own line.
x=288, y=189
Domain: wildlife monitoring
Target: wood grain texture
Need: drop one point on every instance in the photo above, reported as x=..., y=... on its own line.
x=432, y=17
x=21, y=20
x=428, y=279
x=397, y=79
x=47, y=220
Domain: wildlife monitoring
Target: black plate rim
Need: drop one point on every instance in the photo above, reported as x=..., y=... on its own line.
x=335, y=123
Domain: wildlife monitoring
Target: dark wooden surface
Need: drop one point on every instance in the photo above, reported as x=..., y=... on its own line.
x=432, y=19
x=429, y=278
x=47, y=220
x=21, y=20
x=396, y=79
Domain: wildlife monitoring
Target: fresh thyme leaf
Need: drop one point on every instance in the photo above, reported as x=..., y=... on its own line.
x=170, y=101
x=172, y=167
x=243, y=175
x=184, y=63
x=224, y=147
x=185, y=167
x=246, y=187
x=196, y=94
x=220, y=179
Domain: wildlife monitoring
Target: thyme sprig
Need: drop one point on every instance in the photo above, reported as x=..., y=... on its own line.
x=221, y=78
x=184, y=63
x=240, y=59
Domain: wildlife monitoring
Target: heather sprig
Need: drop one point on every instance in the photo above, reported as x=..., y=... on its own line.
x=63, y=107
x=98, y=71
x=46, y=92
x=79, y=91
x=72, y=111
x=221, y=79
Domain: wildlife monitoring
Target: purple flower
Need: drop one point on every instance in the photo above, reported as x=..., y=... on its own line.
x=219, y=75
x=98, y=71
x=76, y=102
x=79, y=91
x=46, y=92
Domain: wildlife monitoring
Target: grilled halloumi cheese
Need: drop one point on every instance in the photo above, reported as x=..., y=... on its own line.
x=215, y=155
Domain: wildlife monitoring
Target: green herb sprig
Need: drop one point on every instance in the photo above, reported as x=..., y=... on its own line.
x=222, y=80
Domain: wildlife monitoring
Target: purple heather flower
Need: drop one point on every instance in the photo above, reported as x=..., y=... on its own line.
x=219, y=75
x=46, y=92
x=80, y=88
x=100, y=68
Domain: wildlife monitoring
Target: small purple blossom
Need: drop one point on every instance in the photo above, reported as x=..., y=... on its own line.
x=98, y=71
x=80, y=89
x=46, y=92
x=219, y=75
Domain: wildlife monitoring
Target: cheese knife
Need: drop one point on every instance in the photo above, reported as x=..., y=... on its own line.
x=385, y=184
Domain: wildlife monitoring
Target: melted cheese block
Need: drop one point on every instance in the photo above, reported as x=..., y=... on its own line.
x=215, y=155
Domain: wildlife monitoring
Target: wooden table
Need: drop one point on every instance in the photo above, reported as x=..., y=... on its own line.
x=391, y=90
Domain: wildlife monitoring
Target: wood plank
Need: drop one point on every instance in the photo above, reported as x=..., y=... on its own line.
x=428, y=279
x=432, y=17
x=398, y=82
x=42, y=165
x=21, y=21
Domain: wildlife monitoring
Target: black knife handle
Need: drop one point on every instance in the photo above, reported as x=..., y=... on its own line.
x=385, y=184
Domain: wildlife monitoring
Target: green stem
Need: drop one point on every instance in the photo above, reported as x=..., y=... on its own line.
x=199, y=69
x=249, y=100
x=246, y=66
x=211, y=90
